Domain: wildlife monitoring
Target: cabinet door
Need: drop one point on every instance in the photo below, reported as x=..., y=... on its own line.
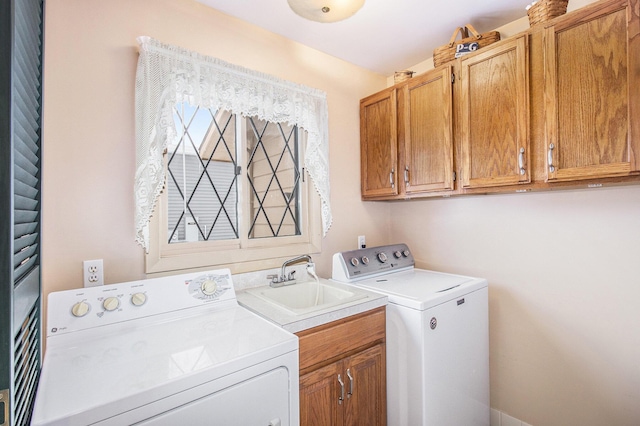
x=592, y=80
x=319, y=396
x=366, y=388
x=427, y=133
x=378, y=144
x=494, y=122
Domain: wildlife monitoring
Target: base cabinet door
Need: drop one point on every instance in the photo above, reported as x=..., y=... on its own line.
x=319, y=396
x=592, y=68
x=366, y=388
x=349, y=392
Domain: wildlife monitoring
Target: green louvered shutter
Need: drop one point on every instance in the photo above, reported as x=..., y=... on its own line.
x=20, y=165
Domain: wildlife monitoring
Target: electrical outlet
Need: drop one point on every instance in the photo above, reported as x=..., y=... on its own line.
x=361, y=242
x=93, y=273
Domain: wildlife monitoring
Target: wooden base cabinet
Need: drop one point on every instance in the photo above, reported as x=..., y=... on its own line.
x=343, y=372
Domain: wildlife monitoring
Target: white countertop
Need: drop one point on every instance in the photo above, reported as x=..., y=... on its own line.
x=295, y=323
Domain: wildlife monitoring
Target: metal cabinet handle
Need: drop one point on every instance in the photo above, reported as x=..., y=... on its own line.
x=406, y=175
x=393, y=172
x=350, y=383
x=521, y=161
x=550, y=157
x=341, y=397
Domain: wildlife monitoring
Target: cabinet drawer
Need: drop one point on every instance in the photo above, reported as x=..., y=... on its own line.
x=329, y=341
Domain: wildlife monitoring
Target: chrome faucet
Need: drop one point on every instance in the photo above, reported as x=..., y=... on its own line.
x=284, y=279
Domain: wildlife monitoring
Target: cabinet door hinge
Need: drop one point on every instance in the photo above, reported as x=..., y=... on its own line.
x=454, y=176
x=453, y=78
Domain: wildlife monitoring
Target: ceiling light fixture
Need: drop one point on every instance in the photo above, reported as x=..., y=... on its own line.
x=325, y=10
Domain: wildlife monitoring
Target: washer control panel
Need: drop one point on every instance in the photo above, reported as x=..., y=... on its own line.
x=83, y=308
x=355, y=265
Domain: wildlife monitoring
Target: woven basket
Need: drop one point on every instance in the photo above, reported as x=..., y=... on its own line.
x=400, y=76
x=544, y=10
x=447, y=52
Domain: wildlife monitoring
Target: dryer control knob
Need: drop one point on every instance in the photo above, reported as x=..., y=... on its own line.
x=80, y=309
x=365, y=260
x=382, y=257
x=138, y=299
x=209, y=287
x=110, y=304
x=397, y=254
x=406, y=253
x=354, y=261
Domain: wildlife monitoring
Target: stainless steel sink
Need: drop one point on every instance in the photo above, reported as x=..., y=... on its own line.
x=310, y=296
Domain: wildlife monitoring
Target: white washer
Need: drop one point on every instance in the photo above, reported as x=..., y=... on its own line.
x=165, y=351
x=437, y=337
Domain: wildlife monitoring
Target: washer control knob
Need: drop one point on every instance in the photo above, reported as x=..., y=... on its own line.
x=209, y=287
x=138, y=299
x=80, y=309
x=365, y=260
x=406, y=253
x=110, y=304
x=397, y=254
x=382, y=257
x=354, y=261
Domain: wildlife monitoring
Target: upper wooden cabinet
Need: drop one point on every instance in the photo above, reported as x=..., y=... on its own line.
x=494, y=115
x=426, y=132
x=379, y=144
x=592, y=92
x=406, y=135
x=554, y=106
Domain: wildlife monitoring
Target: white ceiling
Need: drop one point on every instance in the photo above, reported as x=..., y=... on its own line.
x=385, y=35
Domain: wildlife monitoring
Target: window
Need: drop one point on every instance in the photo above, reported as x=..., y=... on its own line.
x=235, y=192
x=231, y=164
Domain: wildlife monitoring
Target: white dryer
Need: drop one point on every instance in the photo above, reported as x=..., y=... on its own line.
x=437, y=337
x=165, y=351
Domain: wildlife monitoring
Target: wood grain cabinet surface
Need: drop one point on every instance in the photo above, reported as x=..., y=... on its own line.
x=343, y=372
x=555, y=106
x=592, y=91
x=494, y=115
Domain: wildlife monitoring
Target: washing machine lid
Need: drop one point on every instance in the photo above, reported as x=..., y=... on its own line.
x=88, y=376
x=422, y=289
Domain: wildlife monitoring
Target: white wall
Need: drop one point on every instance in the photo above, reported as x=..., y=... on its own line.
x=564, y=277
x=563, y=267
x=88, y=129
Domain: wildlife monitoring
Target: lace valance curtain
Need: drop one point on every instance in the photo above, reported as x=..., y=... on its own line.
x=168, y=75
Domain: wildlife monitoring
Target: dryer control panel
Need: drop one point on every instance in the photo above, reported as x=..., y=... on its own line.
x=89, y=307
x=354, y=265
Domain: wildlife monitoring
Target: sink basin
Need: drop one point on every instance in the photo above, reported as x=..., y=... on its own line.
x=310, y=296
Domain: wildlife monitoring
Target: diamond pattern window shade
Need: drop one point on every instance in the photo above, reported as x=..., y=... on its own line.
x=274, y=179
x=202, y=176
x=203, y=169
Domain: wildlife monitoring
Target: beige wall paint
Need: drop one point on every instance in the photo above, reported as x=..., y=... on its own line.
x=564, y=284
x=89, y=149
x=562, y=266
